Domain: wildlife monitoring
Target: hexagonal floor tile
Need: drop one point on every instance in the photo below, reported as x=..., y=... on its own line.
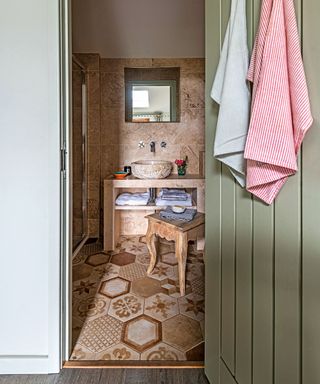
x=146, y=287
x=162, y=271
x=123, y=258
x=91, y=306
x=169, y=258
x=142, y=333
x=97, y=259
x=181, y=332
x=114, y=287
x=118, y=352
x=164, y=352
x=161, y=307
x=196, y=353
x=171, y=287
x=126, y=307
x=192, y=305
x=194, y=271
x=143, y=258
x=101, y=333
x=133, y=271
x=81, y=271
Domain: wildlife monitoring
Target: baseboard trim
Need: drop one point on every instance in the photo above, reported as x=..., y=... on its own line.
x=133, y=364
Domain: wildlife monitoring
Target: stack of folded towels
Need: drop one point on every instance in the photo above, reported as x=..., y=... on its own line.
x=187, y=215
x=169, y=197
x=133, y=199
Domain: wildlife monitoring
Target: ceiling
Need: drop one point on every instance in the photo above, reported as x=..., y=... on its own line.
x=139, y=28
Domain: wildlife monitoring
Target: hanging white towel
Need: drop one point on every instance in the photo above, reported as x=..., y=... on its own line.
x=281, y=113
x=230, y=89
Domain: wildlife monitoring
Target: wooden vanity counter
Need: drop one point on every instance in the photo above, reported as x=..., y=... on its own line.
x=112, y=188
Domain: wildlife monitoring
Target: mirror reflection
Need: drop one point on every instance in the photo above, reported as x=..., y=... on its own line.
x=155, y=100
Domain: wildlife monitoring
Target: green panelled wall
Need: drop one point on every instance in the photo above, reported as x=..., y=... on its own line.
x=263, y=263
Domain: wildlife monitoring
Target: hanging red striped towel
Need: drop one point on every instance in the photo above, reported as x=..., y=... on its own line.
x=280, y=111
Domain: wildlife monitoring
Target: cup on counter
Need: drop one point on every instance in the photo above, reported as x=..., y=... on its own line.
x=127, y=169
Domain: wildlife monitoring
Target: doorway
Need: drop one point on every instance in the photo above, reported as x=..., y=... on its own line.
x=119, y=311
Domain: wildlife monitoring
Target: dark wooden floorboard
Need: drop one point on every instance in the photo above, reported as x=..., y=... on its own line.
x=112, y=376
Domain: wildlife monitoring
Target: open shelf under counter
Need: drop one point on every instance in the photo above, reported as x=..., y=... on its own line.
x=112, y=188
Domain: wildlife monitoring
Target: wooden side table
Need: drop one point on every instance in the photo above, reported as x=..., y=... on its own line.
x=178, y=231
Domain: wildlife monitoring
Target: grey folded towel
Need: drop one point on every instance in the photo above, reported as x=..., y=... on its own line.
x=173, y=194
x=187, y=215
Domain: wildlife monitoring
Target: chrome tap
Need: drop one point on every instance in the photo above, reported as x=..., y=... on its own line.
x=153, y=146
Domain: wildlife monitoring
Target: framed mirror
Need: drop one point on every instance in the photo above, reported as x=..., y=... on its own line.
x=150, y=96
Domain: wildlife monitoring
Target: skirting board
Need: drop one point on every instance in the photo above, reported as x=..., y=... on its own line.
x=26, y=365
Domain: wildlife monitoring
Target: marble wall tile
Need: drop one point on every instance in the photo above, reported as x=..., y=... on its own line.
x=94, y=125
x=93, y=89
x=91, y=61
x=112, y=89
x=118, y=65
x=94, y=163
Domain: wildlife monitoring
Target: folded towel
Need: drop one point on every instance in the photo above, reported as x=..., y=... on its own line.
x=133, y=199
x=173, y=194
x=230, y=89
x=186, y=203
x=281, y=113
x=187, y=215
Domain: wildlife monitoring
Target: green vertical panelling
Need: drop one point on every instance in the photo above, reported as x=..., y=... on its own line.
x=243, y=337
x=213, y=197
x=287, y=340
x=263, y=232
x=228, y=269
x=311, y=201
x=226, y=376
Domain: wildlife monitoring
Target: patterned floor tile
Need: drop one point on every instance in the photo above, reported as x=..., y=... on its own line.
x=90, y=307
x=146, y=287
x=196, y=353
x=145, y=322
x=197, y=286
x=123, y=258
x=161, y=307
x=169, y=258
x=106, y=272
x=126, y=307
x=143, y=258
x=164, y=352
x=181, y=332
x=81, y=353
x=192, y=305
x=118, y=352
x=142, y=333
x=114, y=287
x=82, y=288
x=81, y=272
x=193, y=272
x=172, y=287
x=97, y=259
x=162, y=271
x=133, y=271
x=100, y=334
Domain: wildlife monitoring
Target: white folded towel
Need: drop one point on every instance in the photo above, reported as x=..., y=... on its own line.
x=230, y=89
x=133, y=199
x=185, y=203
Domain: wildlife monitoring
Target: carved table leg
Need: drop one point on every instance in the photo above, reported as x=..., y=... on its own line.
x=151, y=239
x=181, y=254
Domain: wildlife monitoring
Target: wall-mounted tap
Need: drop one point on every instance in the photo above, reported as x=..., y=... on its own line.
x=153, y=146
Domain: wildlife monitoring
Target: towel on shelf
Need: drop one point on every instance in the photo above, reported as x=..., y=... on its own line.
x=185, y=203
x=187, y=215
x=173, y=194
x=133, y=199
x=281, y=113
x=231, y=90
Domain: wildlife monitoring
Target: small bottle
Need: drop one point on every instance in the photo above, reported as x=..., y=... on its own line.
x=127, y=169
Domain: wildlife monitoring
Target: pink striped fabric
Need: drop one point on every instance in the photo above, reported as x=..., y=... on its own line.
x=280, y=111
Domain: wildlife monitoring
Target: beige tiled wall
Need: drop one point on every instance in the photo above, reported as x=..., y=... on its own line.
x=113, y=142
x=120, y=139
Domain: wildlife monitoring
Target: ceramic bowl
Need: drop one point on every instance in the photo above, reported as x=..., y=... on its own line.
x=178, y=209
x=120, y=175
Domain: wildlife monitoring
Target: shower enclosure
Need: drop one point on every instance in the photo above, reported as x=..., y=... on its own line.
x=79, y=155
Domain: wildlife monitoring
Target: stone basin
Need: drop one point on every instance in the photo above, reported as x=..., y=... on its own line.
x=151, y=169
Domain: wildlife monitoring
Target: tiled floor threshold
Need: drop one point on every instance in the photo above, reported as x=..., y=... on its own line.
x=124, y=318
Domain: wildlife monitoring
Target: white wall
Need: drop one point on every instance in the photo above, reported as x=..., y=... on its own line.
x=139, y=28
x=29, y=191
